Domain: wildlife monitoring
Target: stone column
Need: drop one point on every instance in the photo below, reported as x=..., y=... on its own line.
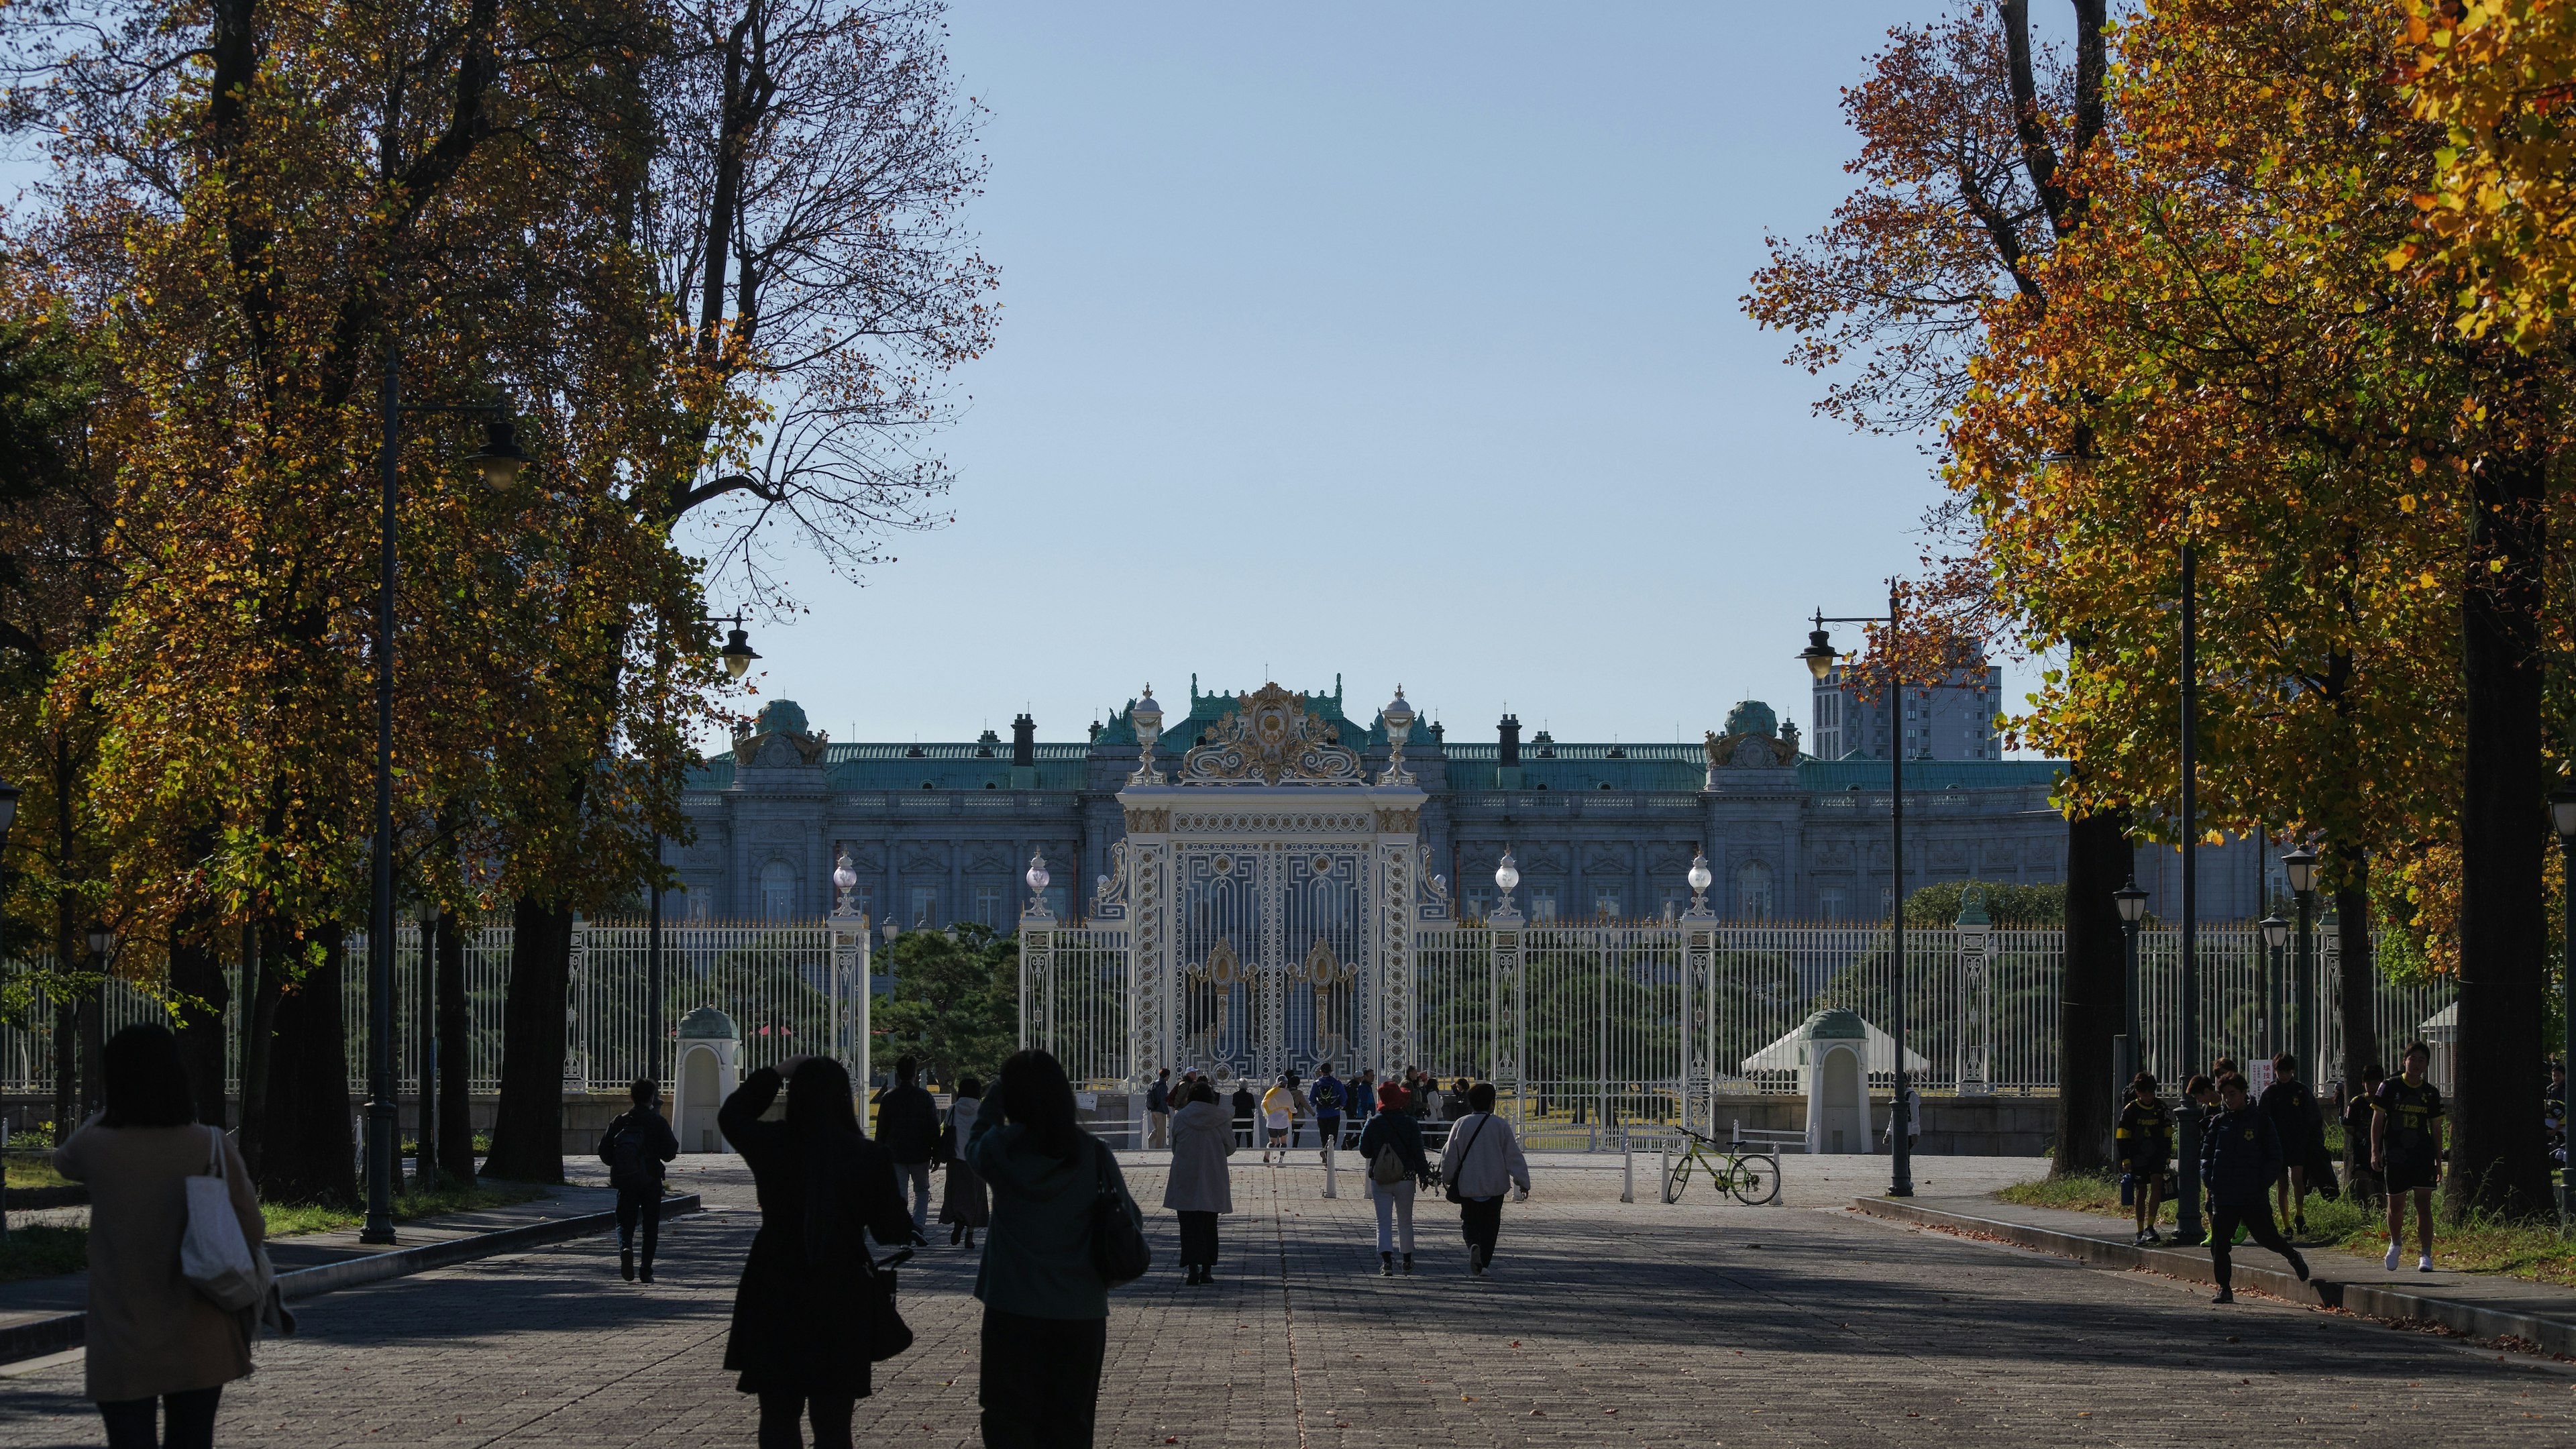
x=1153, y=928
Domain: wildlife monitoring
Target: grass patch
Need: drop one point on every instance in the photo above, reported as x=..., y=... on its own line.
x=21, y=1170
x=43, y=1253
x=2482, y=1244
x=289, y=1219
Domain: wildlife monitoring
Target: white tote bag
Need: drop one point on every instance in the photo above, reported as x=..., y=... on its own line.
x=213, y=1255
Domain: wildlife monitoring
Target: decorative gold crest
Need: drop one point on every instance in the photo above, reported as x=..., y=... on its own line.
x=1271, y=737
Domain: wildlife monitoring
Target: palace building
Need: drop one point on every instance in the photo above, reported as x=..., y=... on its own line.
x=940, y=833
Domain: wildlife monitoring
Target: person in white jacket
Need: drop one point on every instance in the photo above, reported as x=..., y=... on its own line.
x=1482, y=1161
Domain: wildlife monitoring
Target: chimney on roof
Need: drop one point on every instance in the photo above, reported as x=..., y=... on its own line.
x=1024, y=752
x=1510, y=730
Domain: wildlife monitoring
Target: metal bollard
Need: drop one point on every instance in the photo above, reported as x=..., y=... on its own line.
x=1329, y=1188
x=1627, y=1168
x=1664, y=1172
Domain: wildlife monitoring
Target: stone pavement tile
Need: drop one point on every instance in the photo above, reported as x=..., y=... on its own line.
x=1605, y=1324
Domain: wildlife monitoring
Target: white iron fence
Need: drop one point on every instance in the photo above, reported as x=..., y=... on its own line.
x=1605, y=1024
x=776, y=980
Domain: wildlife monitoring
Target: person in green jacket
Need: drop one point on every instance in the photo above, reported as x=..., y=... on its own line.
x=1046, y=1312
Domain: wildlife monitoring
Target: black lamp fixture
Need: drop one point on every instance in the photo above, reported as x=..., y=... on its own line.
x=2132, y=903
x=738, y=653
x=501, y=458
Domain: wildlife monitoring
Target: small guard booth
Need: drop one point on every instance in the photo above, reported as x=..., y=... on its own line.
x=1833, y=1072
x=710, y=1047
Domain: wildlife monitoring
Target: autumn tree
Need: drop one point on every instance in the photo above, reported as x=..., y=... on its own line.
x=1970, y=132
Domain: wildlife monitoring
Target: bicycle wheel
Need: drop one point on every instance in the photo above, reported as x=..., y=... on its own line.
x=1681, y=1174
x=1757, y=1180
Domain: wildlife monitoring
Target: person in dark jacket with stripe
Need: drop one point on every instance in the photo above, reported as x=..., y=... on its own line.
x=2240, y=1155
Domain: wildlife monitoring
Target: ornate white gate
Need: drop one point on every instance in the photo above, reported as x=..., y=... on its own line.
x=1271, y=895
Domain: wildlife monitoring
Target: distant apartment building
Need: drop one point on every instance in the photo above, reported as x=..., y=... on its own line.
x=1950, y=720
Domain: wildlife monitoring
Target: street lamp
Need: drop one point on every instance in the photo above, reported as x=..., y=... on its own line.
x=501, y=457
x=2133, y=1052
x=2300, y=866
x=1700, y=877
x=8, y=815
x=1820, y=656
x=2276, y=934
x=2562, y=815
x=1038, y=879
x=1507, y=878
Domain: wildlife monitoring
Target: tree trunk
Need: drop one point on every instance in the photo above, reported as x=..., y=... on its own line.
x=259, y=1033
x=311, y=1151
x=2093, y=999
x=66, y=1065
x=455, y=1106
x=527, y=1126
x=2357, y=969
x=195, y=973
x=2498, y=1160
x=93, y=1043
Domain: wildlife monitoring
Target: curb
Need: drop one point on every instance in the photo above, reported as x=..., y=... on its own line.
x=42, y=1336
x=2373, y=1300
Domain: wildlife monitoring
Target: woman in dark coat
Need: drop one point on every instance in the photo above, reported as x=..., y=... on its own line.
x=965, y=1206
x=800, y=1336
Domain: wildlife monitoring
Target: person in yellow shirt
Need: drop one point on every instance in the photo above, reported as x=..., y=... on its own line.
x=1278, y=1110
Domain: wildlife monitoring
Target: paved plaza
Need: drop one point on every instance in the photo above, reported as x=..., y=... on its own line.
x=1605, y=1322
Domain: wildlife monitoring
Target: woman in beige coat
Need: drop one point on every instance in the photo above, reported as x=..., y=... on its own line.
x=155, y=1345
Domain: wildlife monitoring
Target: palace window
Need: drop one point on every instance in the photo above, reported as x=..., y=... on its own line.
x=1480, y=904
x=1829, y=903
x=1542, y=903
x=988, y=906
x=1606, y=905
x=777, y=891
x=925, y=904
x=1753, y=891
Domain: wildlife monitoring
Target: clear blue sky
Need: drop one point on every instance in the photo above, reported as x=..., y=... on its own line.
x=1401, y=342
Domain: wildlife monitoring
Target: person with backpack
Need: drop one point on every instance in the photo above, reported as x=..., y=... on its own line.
x=1278, y=1117
x=824, y=1188
x=1046, y=1306
x=635, y=1146
x=1391, y=1144
x=2359, y=1180
x=1360, y=1099
x=908, y=1129
x=158, y=1349
x=1328, y=1096
x=1482, y=1161
x=1198, y=1188
x=2240, y=1155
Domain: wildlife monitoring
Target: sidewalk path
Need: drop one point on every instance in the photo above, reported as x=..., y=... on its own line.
x=1606, y=1323
x=2546, y=1312
x=34, y=1298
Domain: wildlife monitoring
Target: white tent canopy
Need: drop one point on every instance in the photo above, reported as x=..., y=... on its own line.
x=1782, y=1055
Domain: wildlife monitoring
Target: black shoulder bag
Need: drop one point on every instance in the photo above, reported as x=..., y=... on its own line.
x=1118, y=1251
x=1451, y=1192
x=836, y=1251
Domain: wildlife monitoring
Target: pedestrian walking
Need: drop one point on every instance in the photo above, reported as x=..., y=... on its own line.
x=2145, y=1139
x=2406, y=1150
x=2301, y=1126
x=824, y=1188
x=2239, y=1156
x=1046, y=1311
x=1158, y=1108
x=908, y=1129
x=1246, y=1112
x=1391, y=1145
x=635, y=1146
x=2360, y=1179
x=1328, y=1097
x=1199, y=1187
x=1278, y=1110
x=1482, y=1161
x=157, y=1351
x=963, y=1205
x=1453, y=1103
x=1362, y=1095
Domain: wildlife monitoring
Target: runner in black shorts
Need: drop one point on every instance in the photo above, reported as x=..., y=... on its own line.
x=2406, y=1149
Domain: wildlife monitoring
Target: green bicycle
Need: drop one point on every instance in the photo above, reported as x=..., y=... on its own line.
x=1752, y=1177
